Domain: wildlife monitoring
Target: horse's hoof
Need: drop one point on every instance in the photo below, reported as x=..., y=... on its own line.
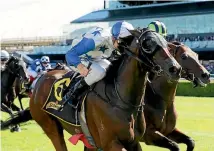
x=15, y=129
x=11, y=130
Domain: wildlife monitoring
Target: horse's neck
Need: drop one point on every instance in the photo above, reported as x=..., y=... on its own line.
x=165, y=89
x=7, y=79
x=131, y=81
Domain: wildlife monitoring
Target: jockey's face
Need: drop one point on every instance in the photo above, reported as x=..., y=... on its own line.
x=44, y=64
x=3, y=61
x=115, y=42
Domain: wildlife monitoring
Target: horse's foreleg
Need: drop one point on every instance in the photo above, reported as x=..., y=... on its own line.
x=55, y=133
x=157, y=139
x=51, y=128
x=20, y=101
x=114, y=146
x=14, y=107
x=136, y=147
x=6, y=109
x=87, y=149
x=180, y=137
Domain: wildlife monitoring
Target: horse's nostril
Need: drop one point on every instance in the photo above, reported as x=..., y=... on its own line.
x=172, y=69
x=205, y=75
x=179, y=71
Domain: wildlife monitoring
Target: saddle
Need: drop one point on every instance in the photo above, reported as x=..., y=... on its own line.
x=69, y=114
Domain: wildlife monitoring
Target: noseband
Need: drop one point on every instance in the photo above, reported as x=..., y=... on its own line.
x=185, y=73
x=146, y=61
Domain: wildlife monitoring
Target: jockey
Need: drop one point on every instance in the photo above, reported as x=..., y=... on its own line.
x=95, y=46
x=158, y=27
x=4, y=58
x=38, y=68
x=45, y=61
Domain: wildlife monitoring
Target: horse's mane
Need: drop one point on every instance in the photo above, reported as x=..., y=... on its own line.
x=113, y=70
x=176, y=43
x=14, y=58
x=127, y=40
x=10, y=60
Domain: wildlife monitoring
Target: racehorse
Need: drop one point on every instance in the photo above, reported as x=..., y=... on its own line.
x=15, y=68
x=20, y=86
x=20, y=93
x=113, y=105
x=160, y=112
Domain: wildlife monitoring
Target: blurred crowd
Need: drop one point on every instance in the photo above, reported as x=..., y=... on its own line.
x=190, y=38
x=209, y=65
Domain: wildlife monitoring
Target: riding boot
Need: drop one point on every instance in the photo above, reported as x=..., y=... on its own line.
x=78, y=88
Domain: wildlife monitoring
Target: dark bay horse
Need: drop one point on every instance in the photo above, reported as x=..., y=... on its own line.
x=20, y=86
x=113, y=108
x=160, y=111
x=15, y=68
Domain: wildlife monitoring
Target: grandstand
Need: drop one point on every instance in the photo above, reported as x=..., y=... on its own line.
x=17, y=43
x=198, y=21
x=194, y=27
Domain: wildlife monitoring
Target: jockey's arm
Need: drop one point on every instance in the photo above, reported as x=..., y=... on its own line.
x=83, y=47
x=48, y=67
x=32, y=73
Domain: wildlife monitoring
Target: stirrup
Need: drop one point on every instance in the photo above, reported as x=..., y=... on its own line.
x=23, y=90
x=73, y=106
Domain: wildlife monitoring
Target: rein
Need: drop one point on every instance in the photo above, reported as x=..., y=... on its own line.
x=151, y=66
x=140, y=106
x=187, y=75
x=148, y=64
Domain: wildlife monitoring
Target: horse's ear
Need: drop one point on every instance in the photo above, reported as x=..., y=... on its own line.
x=21, y=57
x=135, y=33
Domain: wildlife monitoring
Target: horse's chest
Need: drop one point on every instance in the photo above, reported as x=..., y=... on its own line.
x=168, y=123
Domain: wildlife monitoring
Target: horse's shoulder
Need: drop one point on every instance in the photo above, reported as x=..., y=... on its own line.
x=56, y=73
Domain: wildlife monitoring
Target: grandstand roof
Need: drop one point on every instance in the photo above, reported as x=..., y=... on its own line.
x=149, y=11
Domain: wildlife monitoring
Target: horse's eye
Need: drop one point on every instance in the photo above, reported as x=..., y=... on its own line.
x=184, y=56
x=147, y=43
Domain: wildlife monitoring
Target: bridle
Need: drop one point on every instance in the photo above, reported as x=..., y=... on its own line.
x=185, y=74
x=147, y=63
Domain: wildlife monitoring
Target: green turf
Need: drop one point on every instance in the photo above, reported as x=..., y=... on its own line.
x=196, y=118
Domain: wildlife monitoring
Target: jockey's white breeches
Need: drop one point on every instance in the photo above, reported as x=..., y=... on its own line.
x=34, y=83
x=97, y=72
x=35, y=75
x=32, y=73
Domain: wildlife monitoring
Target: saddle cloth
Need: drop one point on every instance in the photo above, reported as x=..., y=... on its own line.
x=69, y=114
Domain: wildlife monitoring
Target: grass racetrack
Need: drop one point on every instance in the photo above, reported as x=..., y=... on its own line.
x=195, y=118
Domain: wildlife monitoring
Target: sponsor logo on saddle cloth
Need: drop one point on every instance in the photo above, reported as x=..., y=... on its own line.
x=57, y=91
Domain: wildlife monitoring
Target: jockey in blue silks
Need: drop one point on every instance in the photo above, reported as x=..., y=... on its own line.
x=95, y=46
x=37, y=68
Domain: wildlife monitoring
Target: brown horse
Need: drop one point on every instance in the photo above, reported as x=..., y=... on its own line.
x=160, y=112
x=21, y=92
x=113, y=107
